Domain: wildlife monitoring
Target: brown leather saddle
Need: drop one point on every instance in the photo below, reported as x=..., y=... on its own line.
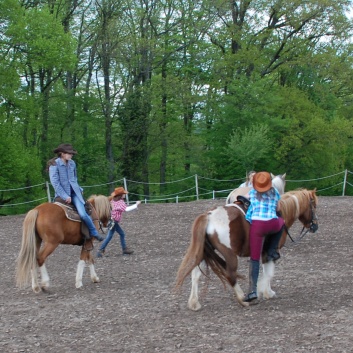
x=72, y=214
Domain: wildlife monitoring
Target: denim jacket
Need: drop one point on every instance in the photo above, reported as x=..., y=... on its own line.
x=63, y=177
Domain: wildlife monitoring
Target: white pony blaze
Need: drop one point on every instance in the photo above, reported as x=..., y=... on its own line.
x=278, y=181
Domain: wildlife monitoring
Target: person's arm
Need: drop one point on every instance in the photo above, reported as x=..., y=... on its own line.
x=132, y=207
x=55, y=181
x=72, y=166
x=278, y=197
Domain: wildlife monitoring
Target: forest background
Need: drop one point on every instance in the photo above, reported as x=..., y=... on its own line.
x=159, y=90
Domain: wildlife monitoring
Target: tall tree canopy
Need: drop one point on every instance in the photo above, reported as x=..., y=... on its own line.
x=156, y=90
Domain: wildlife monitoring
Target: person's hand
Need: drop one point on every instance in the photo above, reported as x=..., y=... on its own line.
x=68, y=200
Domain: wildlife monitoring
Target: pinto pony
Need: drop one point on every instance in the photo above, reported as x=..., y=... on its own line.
x=225, y=231
x=48, y=224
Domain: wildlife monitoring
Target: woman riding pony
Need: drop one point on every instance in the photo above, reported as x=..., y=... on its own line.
x=63, y=177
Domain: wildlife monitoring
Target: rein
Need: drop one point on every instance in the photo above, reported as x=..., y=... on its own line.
x=313, y=225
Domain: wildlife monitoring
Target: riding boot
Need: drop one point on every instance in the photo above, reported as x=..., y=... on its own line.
x=97, y=236
x=254, y=269
x=272, y=253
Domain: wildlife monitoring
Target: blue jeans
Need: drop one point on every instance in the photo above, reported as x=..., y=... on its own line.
x=119, y=230
x=83, y=215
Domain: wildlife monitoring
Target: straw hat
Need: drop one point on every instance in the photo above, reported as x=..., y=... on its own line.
x=118, y=191
x=262, y=181
x=65, y=148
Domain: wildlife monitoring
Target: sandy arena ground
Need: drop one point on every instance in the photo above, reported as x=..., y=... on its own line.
x=133, y=308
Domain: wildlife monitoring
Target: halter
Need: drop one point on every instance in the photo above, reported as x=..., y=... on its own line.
x=313, y=224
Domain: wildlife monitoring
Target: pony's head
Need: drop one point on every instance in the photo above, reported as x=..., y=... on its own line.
x=309, y=218
x=279, y=182
x=300, y=204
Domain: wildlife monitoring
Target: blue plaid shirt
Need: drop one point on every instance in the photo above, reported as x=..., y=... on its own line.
x=265, y=208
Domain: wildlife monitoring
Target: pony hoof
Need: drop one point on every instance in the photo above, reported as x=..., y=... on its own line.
x=244, y=304
x=79, y=285
x=37, y=289
x=269, y=295
x=194, y=306
x=96, y=280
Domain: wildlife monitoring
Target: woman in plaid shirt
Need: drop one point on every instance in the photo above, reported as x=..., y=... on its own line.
x=263, y=219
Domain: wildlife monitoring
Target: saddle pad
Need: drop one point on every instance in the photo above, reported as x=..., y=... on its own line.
x=69, y=212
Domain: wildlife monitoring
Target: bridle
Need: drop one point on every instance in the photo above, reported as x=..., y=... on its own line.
x=313, y=227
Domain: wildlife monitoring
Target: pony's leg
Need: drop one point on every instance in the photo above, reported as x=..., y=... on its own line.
x=193, y=303
x=86, y=258
x=239, y=294
x=35, y=284
x=232, y=265
x=80, y=268
x=264, y=284
x=44, y=276
x=43, y=253
x=94, y=277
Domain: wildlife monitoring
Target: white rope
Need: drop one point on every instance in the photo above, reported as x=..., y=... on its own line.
x=178, y=195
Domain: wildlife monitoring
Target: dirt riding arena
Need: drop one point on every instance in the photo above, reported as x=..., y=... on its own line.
x=133, y=308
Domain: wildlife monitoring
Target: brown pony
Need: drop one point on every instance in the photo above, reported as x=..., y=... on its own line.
x=225, y=231
x=48, y=224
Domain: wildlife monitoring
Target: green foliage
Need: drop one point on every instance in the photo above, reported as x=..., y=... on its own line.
x=183, y=89
x=247, y=148
x=20, y=168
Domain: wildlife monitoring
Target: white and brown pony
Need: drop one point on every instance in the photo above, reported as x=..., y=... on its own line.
x=46, y=227
x=278, y=181
x=225, y=231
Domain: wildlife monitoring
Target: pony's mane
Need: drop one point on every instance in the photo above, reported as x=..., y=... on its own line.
x=292, y=203
x=101, y=204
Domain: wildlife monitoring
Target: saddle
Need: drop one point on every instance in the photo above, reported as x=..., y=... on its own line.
x=243, y=202
x=72, y=214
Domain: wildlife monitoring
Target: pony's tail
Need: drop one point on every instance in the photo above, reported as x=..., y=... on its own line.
x=27, y=258
x=195, y=251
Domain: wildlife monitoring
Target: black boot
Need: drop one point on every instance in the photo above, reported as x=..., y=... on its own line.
x=272, y=253
x=254, y=269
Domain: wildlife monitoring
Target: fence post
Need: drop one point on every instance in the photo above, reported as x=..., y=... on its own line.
x=48, y=191
x=127, y=195
x=196, y=187
x=344, y=182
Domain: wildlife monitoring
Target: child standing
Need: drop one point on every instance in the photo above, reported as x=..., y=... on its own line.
x=117, y=201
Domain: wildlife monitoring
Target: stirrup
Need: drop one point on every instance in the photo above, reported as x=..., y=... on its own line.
x=250, y=297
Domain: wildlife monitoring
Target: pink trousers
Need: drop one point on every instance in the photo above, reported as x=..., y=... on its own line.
x=258, y=231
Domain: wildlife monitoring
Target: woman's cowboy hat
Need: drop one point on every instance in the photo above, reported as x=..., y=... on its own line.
x=262, y=181
x=65, y=148
x=118, y=191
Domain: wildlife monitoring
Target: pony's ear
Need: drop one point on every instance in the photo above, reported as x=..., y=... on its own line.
x=272, y=176
x=284, y=176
